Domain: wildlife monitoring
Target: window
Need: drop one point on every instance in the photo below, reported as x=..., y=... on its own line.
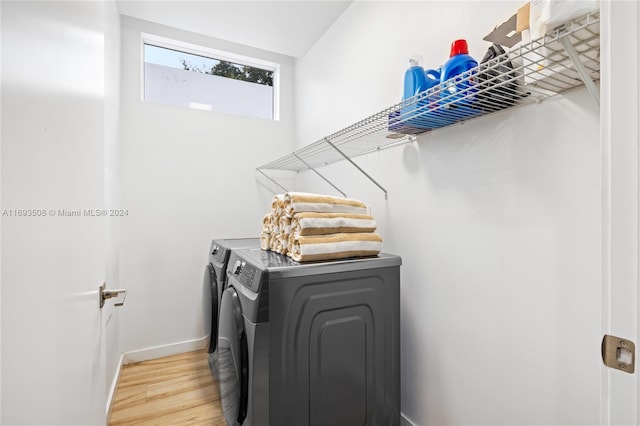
x=186, y=75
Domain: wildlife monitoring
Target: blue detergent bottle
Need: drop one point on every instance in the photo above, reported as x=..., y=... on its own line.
x=415, y=82
x=433, y=77
x=458, y=88
x=428, y=118
x=415, y=79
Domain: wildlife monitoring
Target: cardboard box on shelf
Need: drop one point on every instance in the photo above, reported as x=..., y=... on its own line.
x=522, y=18
x=505, y=34
x=508, y=34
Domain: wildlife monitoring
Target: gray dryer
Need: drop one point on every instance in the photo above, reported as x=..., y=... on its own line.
x=310, y=344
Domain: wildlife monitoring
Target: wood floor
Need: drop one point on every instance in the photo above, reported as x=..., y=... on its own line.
x=177, y=390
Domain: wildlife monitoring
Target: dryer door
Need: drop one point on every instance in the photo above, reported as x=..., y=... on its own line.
x=210, y=308
x=233, y=359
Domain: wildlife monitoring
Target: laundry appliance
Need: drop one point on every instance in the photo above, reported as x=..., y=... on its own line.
x=310, y=344
x=213, y=286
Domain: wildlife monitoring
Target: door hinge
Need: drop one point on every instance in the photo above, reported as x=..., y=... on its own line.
x=619, y=353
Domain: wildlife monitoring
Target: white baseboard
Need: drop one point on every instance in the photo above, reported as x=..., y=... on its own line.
x=165, y=350
x=404, y=421
x=112, y=390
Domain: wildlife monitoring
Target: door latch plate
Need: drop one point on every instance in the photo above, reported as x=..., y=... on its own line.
x=105, y=294
x=619, y=353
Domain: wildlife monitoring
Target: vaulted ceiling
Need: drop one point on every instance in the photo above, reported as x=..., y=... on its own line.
x=287, y=27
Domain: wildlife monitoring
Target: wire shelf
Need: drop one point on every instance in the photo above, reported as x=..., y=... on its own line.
x=562, y=60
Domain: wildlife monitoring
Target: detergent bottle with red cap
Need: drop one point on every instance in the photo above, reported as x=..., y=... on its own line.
x=459, y=86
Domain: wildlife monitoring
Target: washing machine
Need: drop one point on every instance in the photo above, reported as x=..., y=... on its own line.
x=213, y=286
x=310, y=344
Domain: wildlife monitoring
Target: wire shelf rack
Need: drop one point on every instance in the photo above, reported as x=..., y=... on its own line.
x=562, y=60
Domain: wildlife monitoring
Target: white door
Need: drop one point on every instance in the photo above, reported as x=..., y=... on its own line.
x=53, y=255
x=620, y=177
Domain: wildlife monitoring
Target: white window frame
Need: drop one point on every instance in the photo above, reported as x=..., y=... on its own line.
x=216, y=54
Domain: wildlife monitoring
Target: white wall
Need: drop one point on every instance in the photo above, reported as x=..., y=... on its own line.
x=188, y=176
x=497, y=221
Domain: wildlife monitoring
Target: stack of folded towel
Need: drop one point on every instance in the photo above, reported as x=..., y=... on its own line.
x=311, y=227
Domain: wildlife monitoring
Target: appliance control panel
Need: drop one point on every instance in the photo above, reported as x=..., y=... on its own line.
x=247, y=274
x=217, y=252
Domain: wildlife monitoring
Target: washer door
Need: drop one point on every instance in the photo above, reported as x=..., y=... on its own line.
x=210, y=308
x=233, y=359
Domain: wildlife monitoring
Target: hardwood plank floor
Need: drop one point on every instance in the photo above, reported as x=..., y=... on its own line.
x=176, y=390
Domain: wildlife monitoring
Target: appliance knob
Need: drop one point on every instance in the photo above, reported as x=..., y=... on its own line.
x=237, y=267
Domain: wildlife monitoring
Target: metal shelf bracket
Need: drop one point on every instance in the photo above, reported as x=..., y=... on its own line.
x=318, y=173
x=271, y=179
x=582, y=71
x=346, y=157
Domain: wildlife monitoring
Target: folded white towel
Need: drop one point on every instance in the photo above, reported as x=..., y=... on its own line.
x=335, y=246
x=277, y=205
x=297, y=202
x=265, y=240
x=313, y=223
x=285, y=225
